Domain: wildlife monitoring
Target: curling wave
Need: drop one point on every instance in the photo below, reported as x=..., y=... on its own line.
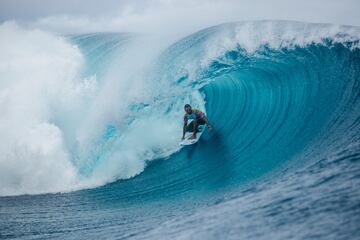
x=94, y=108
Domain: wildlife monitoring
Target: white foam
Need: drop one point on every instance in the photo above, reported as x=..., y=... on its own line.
x=52, y=122
x=38, y=79
x=250, y=36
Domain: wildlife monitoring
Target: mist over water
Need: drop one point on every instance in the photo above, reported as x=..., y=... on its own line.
x=101, y=80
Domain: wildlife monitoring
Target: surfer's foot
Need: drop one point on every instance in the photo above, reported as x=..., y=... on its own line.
x=192, y=137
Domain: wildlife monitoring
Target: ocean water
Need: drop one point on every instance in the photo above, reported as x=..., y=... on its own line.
x=90, y=127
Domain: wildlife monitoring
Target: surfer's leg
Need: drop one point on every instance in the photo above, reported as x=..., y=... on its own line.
x=190, y=127
x=201, y=121
x=195, y=130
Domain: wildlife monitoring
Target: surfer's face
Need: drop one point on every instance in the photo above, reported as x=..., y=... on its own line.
x=188, y=109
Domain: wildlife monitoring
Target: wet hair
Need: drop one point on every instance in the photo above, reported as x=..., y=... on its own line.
x=187, y=105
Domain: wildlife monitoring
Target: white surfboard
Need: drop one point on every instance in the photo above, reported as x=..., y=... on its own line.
x=188, y=141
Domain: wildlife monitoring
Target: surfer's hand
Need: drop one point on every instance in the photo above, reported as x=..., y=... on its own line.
x=210, y=127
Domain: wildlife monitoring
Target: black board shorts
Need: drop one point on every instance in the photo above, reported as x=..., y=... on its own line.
x=190, y=126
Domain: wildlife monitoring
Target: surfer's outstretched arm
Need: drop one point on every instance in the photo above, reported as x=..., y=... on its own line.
x=208, y=123
x=185, y=127
x=184, y=130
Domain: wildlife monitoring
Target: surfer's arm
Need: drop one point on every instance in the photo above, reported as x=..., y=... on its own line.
x=184, y=131
x=184, y=128
x=208, y=123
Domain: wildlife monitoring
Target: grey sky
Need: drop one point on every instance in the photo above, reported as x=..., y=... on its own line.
x=33, y=9
x=78, y=15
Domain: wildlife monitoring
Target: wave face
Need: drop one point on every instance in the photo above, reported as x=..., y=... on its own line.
x=283, y=98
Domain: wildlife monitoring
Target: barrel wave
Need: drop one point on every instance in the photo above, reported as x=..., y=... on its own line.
x=283, y=158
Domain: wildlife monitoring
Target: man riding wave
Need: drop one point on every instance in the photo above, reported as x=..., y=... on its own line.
x=198, y=118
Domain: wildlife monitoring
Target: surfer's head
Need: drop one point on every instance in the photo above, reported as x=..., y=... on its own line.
x=187, y=108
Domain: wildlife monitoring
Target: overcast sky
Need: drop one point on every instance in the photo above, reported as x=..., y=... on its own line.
x=33, y=9
x=127, y=15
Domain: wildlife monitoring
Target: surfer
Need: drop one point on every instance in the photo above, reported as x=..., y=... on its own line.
x=198, y=118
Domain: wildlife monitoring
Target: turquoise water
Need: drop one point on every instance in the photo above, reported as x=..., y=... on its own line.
x=282, y=162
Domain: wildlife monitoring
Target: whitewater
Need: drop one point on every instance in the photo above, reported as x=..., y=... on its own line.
x=90, y=128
